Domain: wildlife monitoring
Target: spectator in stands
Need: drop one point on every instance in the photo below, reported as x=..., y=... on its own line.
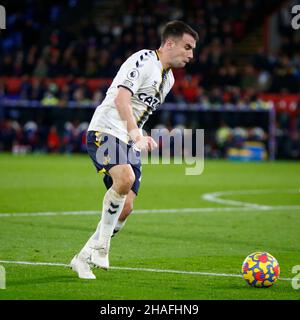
x=239, y=136
x=50, y=98
x=249, y=77
x=30, y=135
x=3, y=90
x=37, y=90
x=53, y=140
x=294, y=144
x=8, y=135
x=223, y=138
x=41, y=68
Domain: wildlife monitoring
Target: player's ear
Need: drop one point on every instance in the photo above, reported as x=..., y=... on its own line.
x=170, y=43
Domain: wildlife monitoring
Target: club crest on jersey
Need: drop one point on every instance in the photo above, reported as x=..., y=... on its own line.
x=150, y=101
x=133, y=74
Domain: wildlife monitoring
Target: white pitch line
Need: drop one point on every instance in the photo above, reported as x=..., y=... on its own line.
x=147, y=211
x=215, y=197
x=47, y=214
x=51, y=264
x=211, y=197
x=197, y=273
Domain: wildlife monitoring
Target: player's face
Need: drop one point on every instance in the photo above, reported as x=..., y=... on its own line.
x=181, y=52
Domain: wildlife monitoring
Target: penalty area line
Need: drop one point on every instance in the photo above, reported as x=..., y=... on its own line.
x=196, y=273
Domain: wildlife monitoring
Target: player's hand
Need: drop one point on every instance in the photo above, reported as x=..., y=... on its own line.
x=145, y=143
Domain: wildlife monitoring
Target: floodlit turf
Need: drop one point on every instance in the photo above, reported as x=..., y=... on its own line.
x=214, y=241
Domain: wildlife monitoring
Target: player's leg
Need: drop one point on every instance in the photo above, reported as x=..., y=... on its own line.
x=113, y=202
x=96, y=249
x=127, y=209
x=119, y=182
x=136, y=165
x=80, y=262
x=110, y=181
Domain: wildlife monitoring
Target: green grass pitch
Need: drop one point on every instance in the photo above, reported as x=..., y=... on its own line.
x=205, y=246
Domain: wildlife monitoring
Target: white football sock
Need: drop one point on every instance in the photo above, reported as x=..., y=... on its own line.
x=113, y=204
x=93, y=242
x=119, y=225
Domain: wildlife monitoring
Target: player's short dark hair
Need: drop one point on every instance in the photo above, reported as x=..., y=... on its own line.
x=177, y=29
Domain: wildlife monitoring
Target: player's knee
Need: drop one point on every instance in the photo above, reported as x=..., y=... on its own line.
x=123, y=178
x=128, y=180
x=125, y=183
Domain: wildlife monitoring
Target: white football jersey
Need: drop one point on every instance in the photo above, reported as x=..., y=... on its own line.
x=143, y=74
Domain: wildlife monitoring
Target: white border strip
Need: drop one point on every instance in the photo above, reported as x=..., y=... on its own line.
x=197, y=273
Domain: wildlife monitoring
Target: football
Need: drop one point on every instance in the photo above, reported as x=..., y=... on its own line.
x=260, y=269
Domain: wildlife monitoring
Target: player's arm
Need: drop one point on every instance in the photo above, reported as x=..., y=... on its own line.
x=123, y=105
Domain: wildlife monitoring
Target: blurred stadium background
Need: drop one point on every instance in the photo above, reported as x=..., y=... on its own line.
x=58, y=58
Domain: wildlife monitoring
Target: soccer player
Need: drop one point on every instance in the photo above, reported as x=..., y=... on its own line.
x=115, y=139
